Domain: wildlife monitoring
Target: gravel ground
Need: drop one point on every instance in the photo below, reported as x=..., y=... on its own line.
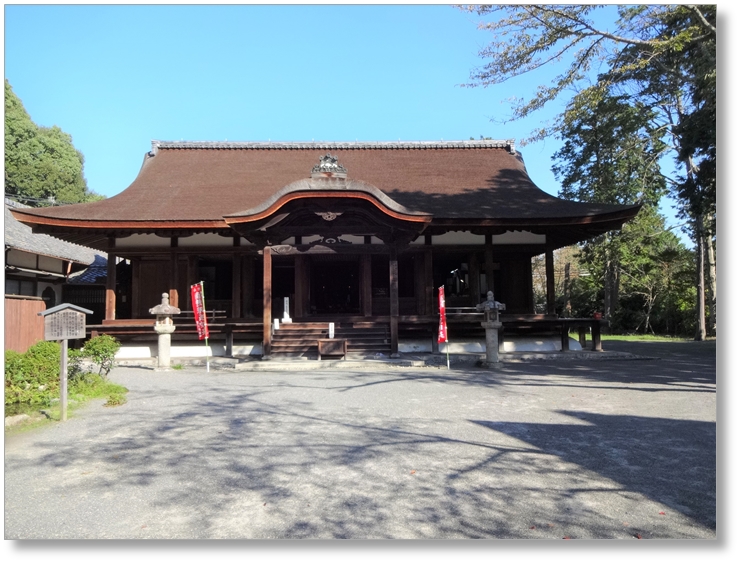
x=619, y=449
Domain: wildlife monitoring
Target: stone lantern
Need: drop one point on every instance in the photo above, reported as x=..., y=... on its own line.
x=164, y=327
x=492, y=324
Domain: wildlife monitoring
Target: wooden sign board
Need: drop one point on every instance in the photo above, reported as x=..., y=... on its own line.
x=64, y=325
x=64, y=322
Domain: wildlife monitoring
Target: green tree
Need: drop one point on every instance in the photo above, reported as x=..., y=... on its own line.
x=652, y=258
x=42, y=166
x=609, y=155
x=661, y=56
x=682, y=83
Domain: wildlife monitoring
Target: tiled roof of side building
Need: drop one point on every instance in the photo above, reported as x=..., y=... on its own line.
x=20, y=236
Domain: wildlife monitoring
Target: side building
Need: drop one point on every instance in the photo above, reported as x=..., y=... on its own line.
x=48, y=271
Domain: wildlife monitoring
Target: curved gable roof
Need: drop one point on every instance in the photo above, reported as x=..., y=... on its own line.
x=198, y=184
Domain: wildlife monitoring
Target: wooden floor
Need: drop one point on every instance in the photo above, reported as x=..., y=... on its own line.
x=409, y=326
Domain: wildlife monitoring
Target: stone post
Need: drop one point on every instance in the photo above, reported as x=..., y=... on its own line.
x=163, y=345
x=164, y=327
x=492, y=324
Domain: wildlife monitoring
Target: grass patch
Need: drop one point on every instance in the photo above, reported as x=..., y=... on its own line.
x=635, y=337
x=80, y=391
x=177, y=366
x=643, y=338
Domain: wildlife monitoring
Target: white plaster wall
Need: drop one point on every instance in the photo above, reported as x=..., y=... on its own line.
x=354, y=239
x=511, y=344
x=51, y=264
x=197, y=240
x=21, y=259
x=147, y=241
x=144, y=351
x=419, y=346
x=466, y=237
x=208, y=239
x=518, y=237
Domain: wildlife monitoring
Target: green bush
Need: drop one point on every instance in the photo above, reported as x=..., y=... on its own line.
x=102, y=351
x=115, y=399
x=33, y=377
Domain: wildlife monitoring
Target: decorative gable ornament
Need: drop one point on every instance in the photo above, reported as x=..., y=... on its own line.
x=328, y=167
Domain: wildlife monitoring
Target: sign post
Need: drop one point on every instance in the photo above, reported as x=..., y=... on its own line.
x=201, y=318
x=442, y=336
x=63, y=323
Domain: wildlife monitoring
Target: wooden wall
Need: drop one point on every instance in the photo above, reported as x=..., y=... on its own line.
x=23, y=325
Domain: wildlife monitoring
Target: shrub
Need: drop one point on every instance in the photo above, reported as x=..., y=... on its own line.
x=115, y=399
x=102, y=351
x=33, y=377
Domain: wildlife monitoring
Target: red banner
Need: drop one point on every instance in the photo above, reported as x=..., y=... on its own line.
x=442, y=337
x=199, y=310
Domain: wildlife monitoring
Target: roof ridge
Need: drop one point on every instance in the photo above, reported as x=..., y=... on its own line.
x=333, y=145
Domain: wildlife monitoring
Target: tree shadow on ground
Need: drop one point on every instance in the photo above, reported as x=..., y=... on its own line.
x=671, y=461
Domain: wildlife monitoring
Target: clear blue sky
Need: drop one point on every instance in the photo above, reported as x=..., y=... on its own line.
x=117, y=77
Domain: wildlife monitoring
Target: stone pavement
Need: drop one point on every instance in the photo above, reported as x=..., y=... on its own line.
x=544, y=449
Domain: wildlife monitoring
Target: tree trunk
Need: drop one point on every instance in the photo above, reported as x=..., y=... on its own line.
x=701, y=329
x=607, y=293
x=611, y=290
x=711, y=266
x=616, y=285
x=566, y=290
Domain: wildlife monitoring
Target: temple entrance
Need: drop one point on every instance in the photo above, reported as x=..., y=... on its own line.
x=335, y=285
x=215, y=273
x=283, y=285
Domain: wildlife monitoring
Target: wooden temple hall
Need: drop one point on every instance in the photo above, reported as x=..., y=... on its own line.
x=360, y=234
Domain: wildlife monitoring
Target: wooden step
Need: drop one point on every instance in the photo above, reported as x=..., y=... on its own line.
x=300, y=339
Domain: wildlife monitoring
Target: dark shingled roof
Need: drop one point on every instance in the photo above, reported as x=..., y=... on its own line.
x=19, y=236
x=192, y=181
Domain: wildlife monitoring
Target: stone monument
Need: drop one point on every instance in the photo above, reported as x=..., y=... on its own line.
x=164, y=327
x=492, y=324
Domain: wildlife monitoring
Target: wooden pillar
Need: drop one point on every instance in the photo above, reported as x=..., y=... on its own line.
x=236, y=286
x=248, y=286
x=174, y=271
x=136, y=288
x=393, y=271
x=192, y=278
x=489, y=264
x=429, y=289
x=564, y=337
x=301, y=284
x=267, y=301
x=366, y=284
x=550, y=280
x=430, y=293
x=596, y=336
x=110, y=281
x=474, y=275
x=420, y=284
